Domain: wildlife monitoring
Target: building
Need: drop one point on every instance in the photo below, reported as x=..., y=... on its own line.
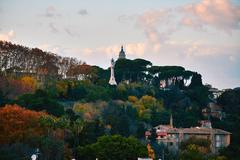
x=122, y=54
x=216, y=92
x=172, y=137
x=213, y=110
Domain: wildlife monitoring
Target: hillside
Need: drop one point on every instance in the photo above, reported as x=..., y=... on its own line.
x=82, y=111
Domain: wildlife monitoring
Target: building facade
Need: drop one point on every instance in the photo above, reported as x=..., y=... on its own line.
x=172, y=137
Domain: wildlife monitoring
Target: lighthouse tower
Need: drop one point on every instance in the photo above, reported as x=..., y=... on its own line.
x=112, y=80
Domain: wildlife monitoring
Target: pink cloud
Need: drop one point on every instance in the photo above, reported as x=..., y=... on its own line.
x=132, y=49
x=7, y=36
x=157, y=25
x=220, y=14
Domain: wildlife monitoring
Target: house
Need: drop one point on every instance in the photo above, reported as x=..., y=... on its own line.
x=172, y=137
x=213, y=110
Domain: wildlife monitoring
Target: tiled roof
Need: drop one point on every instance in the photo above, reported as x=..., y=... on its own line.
x=197, y=130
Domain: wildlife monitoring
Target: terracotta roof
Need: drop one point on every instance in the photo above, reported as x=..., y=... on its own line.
x=197, y=130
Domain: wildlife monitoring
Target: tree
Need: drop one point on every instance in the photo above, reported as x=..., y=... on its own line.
x=131, y=70
x=115, y=116
x=196, y=80
x=16, y=151
x=41, y=101
x=29, y=84
x=17, y=124
x=87, y=110
x=113, y=147
x=195, y=149
x=230, y=102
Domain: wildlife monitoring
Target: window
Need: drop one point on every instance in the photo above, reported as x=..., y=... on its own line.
x=186, y=136
x=219, y=141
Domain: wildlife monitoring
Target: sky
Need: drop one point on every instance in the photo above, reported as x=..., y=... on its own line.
x=200, y=35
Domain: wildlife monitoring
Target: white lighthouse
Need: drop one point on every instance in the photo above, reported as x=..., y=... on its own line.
x=112, y=80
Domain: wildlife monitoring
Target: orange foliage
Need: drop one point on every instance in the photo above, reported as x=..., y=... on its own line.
x=18, y=124
x=29, y=84
x=62, y=87
x=15, y=87
x=89, y=111
x=132, y=99
x=151, y=153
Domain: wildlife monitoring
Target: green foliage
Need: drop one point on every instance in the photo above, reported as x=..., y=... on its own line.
x=94, y=108
x=113, y=147
x=132, y=70
x=230, y=100
x=198, y=142
x=199, y=94
x=191, y=153
x=51, y=148
x=41, y=101
x=16, y=151
x=85, y=90
x=194, y=149
x=117, y=118
x=196, y=80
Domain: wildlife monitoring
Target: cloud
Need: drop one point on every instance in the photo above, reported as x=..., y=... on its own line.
x=207, y=50
x=51, y=48
x=71, y=32
x=83, y=12
x=196, y=49
x=7, y=36
x=135, y=49
x=220, y=14
x=157, y=26
x=232, y=58
x=127, y=18
x=53, y=28
x=51, y=12
x=131, y=49
x=87, y=51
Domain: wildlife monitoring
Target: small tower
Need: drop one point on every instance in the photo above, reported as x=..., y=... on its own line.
x=112, y=80
x=122, y=54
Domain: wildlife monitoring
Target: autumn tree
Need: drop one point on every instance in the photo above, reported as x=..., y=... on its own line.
x=18, y=124
x=87, y=110
x=29, y=84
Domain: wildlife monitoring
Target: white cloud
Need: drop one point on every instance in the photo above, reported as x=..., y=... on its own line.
x=220, y=14
x=7, y=36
